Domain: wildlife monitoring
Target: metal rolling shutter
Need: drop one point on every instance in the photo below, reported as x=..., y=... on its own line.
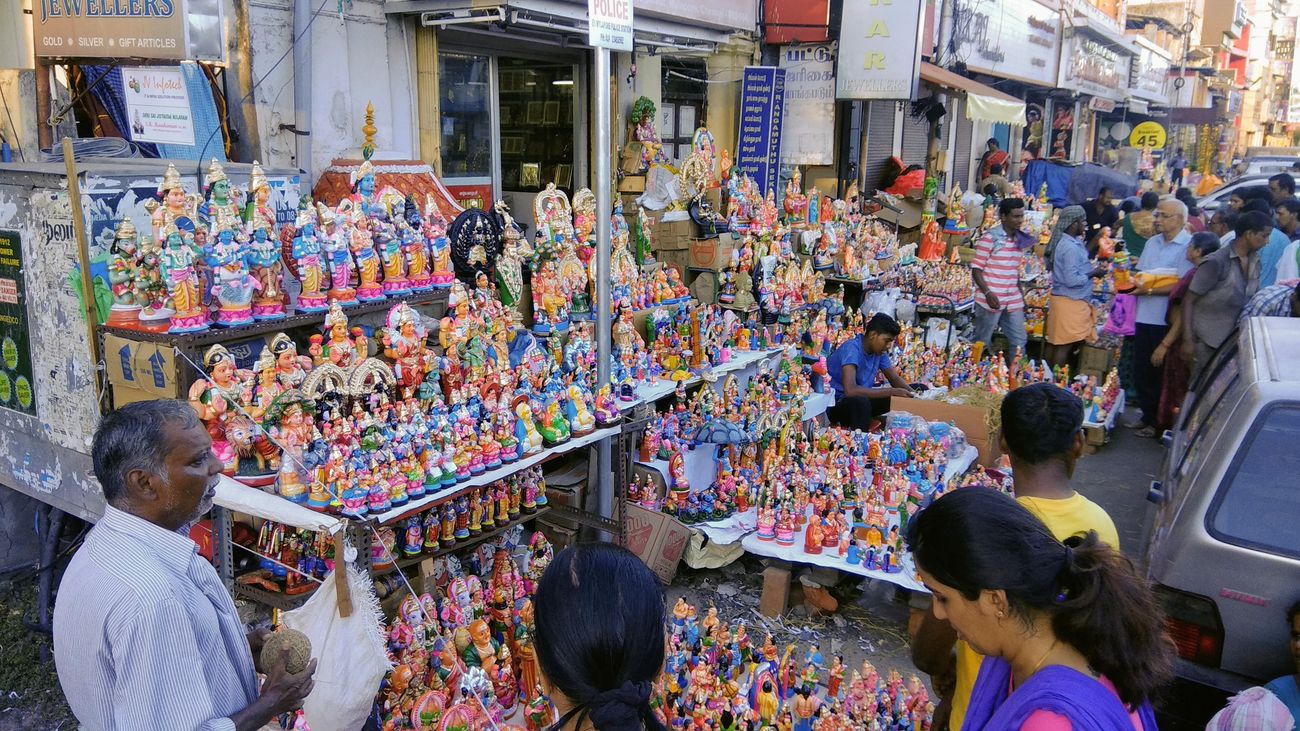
x=961, y=151
x=880, y=143
x=916, y=139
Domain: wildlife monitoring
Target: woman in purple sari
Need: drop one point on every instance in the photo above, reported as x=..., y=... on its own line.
x=1072, y=637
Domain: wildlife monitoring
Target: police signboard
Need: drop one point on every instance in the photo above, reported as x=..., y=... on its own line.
x=609, y=24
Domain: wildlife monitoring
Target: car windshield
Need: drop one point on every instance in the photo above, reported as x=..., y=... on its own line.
x=1253, y=507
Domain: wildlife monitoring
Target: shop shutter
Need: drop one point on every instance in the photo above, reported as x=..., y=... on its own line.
x=880, y=143
x=916, y=140
x=961, y=151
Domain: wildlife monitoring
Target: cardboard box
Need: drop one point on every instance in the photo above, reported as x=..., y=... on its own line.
x=969, y=419
x=140, y=370
x=632, y=184
x=714, y=254
x=1096, y=361
x=672, y=235
x=656, y=538
x=677, y=259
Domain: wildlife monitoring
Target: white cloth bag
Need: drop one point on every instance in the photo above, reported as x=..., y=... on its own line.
x=350, y=652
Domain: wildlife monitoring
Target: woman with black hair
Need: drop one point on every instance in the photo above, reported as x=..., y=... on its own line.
x=600, y=638
x=1073, y=638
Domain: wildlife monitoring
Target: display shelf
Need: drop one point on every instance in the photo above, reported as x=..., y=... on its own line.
x=273, y=599
x=394, y=515
x=657, y=390
x=302, y=319
x=409, y=561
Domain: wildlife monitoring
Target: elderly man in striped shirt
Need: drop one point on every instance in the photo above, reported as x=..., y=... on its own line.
x=145, y=635
x=996, y=273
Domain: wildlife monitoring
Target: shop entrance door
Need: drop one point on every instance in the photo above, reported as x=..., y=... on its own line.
x=510, y=122
x=538, y=135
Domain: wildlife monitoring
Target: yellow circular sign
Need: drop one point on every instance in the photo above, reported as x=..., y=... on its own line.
x=1147, y=134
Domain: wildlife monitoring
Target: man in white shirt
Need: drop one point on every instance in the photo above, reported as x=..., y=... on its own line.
x=1167, y=250
x=145, y=634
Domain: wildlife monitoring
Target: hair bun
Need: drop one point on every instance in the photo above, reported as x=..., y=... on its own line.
x=620, y=708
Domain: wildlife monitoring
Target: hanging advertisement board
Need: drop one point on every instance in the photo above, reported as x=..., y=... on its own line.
x=158, y=105
x=809, y=135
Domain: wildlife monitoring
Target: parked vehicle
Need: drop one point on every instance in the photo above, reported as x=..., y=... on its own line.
x=1219, y=196
x=1224, y=553
x=1267, y=165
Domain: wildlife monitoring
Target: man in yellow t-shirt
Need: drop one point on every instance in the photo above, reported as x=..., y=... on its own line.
x=1042, y=433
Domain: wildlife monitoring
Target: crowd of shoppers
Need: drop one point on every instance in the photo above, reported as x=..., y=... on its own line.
x=1243, y=262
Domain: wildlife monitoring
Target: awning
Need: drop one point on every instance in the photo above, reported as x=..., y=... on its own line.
x=983, y=102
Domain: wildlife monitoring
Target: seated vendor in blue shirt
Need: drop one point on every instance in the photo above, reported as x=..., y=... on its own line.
x=854, y=368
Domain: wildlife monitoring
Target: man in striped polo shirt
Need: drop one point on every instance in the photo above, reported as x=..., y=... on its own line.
x=996, y=273
x=145, y=635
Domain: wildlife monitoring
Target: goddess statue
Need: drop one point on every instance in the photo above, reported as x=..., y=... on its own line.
x=338, y=253
x=178, y=207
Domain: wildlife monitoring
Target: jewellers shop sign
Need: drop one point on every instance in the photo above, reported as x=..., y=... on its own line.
x=880, y=50
x=1016, y=39
x=173, y=30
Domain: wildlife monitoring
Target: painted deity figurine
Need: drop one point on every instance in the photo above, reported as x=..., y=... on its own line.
x=435, y=233
x=234, y=286
x=404, y=344
x=336, y=246
x=179, y=269
x=219, y=211
x=342, y=348
x=363, y=252
x=510, y=264
x=643, y=115
x=311, y=270
x=265, y=265
x=178, y=207
x=216, y=400
x=124, y=273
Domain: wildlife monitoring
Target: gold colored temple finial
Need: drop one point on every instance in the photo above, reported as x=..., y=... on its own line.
x=369, y=130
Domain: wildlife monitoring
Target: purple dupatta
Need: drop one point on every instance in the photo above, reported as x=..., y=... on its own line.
x=1088, y=704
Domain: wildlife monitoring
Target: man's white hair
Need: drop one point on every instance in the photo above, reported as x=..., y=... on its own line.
x=1176, y=204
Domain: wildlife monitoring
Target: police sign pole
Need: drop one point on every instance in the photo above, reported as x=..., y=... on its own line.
x=609, y=24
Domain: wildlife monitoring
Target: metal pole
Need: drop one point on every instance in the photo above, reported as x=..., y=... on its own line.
x=302, y=14
x=603, y=184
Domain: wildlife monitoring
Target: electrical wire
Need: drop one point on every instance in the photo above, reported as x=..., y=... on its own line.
x=198, y=168
x=93, y=147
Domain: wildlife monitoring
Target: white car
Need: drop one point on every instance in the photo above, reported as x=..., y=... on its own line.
x=1266, y=165
x=1220, y=195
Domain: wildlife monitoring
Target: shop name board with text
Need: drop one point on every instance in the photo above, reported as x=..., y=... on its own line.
x=809, y=137
x=118, y=28
x=762, y=107
x=1016, y=39
x=879, y=55
x=609, y=24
